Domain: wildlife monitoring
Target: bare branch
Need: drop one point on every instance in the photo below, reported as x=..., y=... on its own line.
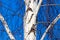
x=51, y=25
x=6, y=27
x=51, y=5
x=38, y=6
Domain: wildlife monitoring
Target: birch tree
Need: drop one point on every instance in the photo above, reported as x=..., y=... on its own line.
x=32, y=7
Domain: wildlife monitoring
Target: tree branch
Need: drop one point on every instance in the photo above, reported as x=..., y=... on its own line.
x=51, y=25
x=38, y=6
x=6, y=27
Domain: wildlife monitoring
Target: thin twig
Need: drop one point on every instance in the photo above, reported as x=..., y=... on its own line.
x=51, y=5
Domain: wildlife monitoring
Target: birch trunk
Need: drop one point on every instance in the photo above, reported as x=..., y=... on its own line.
x=32, y=7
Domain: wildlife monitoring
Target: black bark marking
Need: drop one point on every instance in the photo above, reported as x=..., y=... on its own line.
x=32, y=29
x=29, y=1
x=12, y=39
x=29, y=9
x=30, y=18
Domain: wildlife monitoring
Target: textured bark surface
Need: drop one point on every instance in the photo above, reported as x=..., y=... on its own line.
x=32, y=7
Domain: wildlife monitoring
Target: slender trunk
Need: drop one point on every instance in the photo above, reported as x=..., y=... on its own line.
x=30, y=19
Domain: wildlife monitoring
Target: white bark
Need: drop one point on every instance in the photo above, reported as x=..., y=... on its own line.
x=51, y=25
x=6, y=27
x=30, y=19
